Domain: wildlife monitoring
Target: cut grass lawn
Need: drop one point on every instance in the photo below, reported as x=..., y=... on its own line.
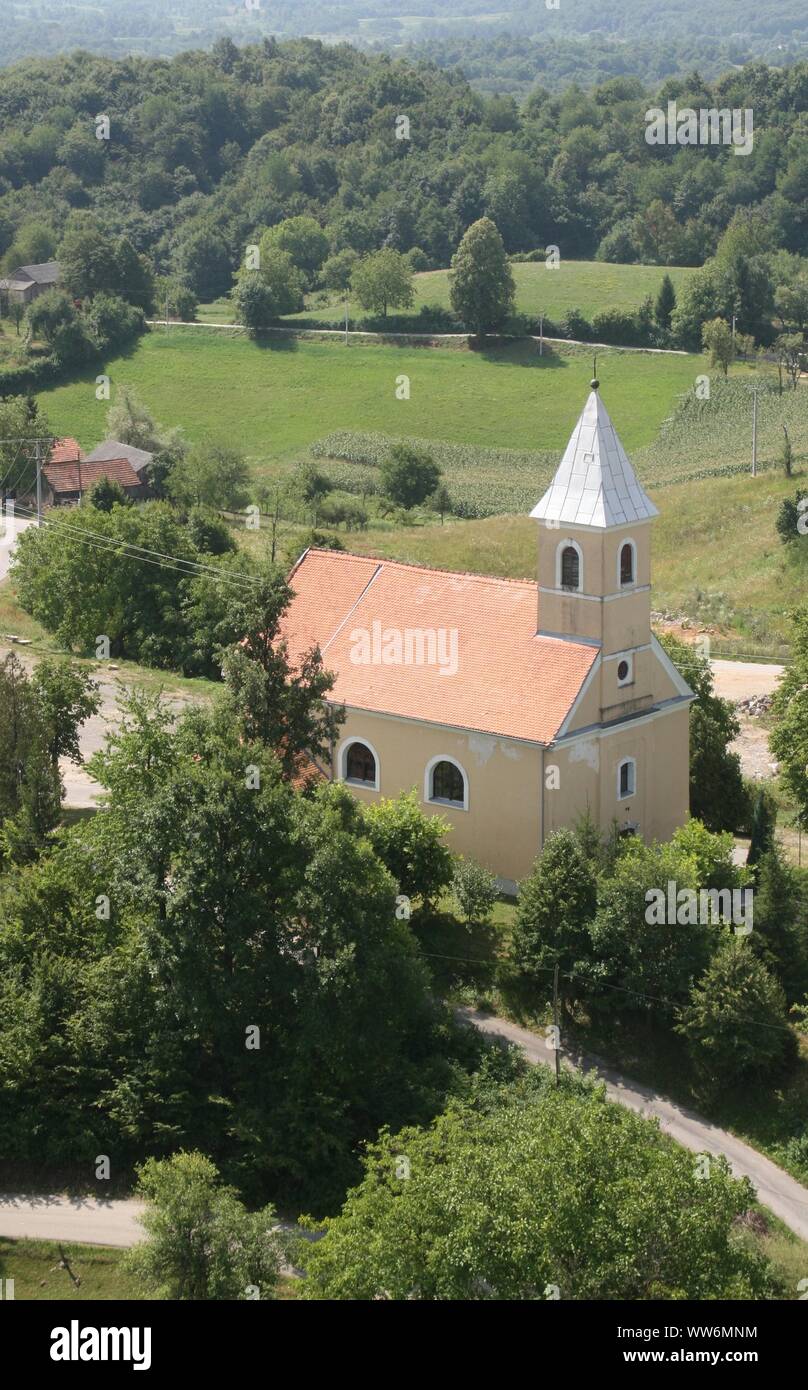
x=591, y=286
x=274, y=398
x=36, y=1268
x=38, y=1273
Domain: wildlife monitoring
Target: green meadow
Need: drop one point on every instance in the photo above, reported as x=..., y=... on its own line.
x=591, y=286
x=274, y=398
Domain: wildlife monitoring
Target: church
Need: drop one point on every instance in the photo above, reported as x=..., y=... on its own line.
x=512, y=707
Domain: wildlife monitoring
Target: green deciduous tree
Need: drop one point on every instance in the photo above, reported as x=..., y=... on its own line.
x=411, y=845
x=482, y=285
x=557, y=905
x=735, y=1021
x=545, y=1193
x=210, y=475
x=717, y=794
x=789, y=737
x=202, y=1242
x=383, y=281
x=408, y=476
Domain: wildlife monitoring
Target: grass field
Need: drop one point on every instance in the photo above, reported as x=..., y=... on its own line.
x=590, y=286
x=36, y=1268
x=275, y=398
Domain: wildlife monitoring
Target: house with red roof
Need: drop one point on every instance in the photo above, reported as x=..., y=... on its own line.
x=513, y=707
x=65, y=481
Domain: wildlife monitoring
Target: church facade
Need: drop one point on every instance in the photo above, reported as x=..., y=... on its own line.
x=512, y=707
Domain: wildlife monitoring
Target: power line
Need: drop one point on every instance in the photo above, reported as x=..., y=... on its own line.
x=161, y=558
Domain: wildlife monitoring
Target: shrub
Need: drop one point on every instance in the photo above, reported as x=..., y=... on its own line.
x=574, y=324
x=475, y=889
x=410, y=845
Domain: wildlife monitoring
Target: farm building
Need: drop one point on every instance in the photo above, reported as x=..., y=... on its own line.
x=65, y=483
x=513, y=707
x=27, y=282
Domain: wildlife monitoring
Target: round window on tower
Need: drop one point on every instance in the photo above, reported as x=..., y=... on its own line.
x=623, y=671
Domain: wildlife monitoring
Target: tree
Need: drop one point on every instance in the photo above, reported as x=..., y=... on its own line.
x=203, y=262
x=275, y=290
x=30, y=789
x=410, y=845
x=87, y=258
x=441, y=501
x=408, y=476
x=21, y=420
x=649, y=958
x=717, y=794
x=202, y=1243
x=790, y=352
x=475, y=889
x=53, y=317
x=665, y=303
x=67, y=697
x=338, y=269
x=175, y=298
x=787, y=456
x=314, y=487
x=134, y=276
x=210, y=475
x=557, y=903
x=735, y=1022
x=780, y=936
x=482, y=287
x=716, y=337
x=790, y=515
x=110, y=322
x=533, y=1193
x=789, y=737
x=278, y=704
x=383, y=281
x=764, y=817
x=302, y=239
x=16, y=312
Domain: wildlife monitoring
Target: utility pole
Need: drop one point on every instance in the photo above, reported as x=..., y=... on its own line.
x=754, y=431
x=557, y=1032
x=541, y=335
x=346, y=323
x=38, y=485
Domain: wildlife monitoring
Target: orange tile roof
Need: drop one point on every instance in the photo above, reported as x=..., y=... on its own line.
x=64, y=477
x=65, y=450
x=509, y=681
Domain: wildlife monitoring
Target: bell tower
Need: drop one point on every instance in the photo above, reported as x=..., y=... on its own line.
x=594, y=564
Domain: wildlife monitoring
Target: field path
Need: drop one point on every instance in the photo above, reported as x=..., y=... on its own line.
x=775, y=1188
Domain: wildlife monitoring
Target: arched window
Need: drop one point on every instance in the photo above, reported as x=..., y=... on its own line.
x=627, y=563
x=626, y=778
x=446, y=782
x=360, y=765
x=570, y=568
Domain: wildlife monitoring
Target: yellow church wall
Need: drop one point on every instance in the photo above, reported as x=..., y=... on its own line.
x=502, y=826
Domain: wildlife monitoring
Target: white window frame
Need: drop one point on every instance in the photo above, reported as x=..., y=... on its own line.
x=344, y=749
x=632, y=763
x=620, y=585
x=567, y=545
x=431, y=800
x=629, y=658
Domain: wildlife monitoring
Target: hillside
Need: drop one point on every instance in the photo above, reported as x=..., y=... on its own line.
x=207, y=150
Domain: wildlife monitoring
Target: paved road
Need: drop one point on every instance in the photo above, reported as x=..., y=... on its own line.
x=776, y=1189
x=83, y=1220
x=89, y=1221
x=6, y=551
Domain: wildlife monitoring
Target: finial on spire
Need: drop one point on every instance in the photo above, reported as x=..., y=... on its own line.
x=594, y=383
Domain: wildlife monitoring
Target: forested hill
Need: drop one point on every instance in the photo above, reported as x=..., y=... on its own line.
x=208, y=147
x=581, y=40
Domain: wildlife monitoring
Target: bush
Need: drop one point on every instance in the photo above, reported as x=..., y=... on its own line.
x=475, y=890
x=202, y=1243
x=410, y=845
x=575, y=325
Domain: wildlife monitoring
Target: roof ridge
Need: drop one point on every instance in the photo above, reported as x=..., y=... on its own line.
x=422, y=569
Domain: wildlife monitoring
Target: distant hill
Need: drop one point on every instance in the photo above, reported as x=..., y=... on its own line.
x=506, y=46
